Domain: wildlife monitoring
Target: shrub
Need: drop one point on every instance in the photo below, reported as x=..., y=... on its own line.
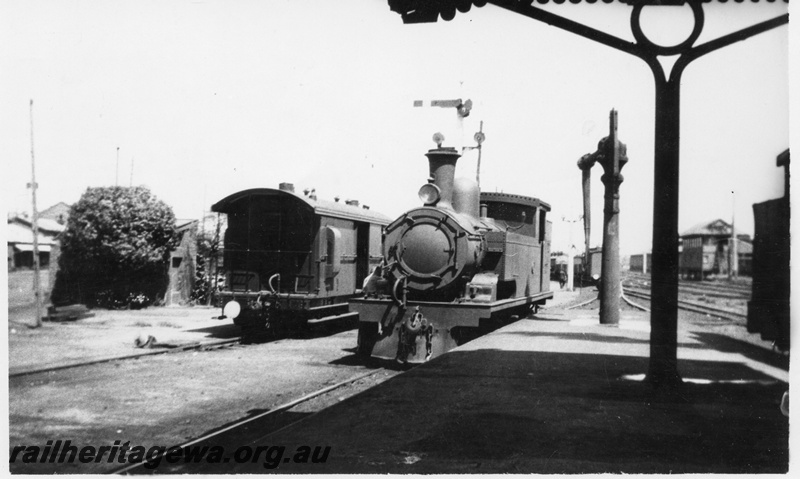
x=115, y=249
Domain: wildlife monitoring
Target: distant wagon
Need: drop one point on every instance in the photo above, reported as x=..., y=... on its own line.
x=768, y=311
x=292, y=259
x=706, y=249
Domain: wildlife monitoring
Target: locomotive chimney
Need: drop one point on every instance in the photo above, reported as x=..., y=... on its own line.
x=286, y=187
x=442, y=162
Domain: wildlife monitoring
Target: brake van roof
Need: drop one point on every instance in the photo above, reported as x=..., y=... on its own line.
x=319, y=207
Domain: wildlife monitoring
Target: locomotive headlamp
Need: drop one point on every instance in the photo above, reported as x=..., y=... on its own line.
x=429, y=194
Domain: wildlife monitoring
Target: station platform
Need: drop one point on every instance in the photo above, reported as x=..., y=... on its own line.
x=560, y=394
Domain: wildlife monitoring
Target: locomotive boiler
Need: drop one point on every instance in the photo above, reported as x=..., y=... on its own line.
x=462, y=264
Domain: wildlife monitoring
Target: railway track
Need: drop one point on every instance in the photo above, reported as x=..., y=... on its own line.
x=712, y=289
x=150, y=352
x=136, y=468
x=632, y=292
x=696, y=307
x=732, y=290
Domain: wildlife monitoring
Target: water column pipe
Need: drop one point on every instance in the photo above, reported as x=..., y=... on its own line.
x=585, y=164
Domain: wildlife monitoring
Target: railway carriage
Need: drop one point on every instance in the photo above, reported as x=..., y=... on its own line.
x=460, y=265
x=293, y=260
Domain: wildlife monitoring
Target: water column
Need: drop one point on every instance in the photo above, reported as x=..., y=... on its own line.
x=611, y=155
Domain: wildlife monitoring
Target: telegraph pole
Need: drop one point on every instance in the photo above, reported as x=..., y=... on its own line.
x=116, y=173
x=733, y=254
x=570, y=253
x=37, y=289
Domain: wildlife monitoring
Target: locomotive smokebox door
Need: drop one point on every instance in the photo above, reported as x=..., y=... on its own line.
x=430, y=248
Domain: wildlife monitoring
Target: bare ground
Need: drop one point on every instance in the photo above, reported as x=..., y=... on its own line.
x=167, y=399
x=158, y=400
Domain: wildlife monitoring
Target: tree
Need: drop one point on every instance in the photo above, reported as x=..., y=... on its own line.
x=115, y=249
x=209, y=243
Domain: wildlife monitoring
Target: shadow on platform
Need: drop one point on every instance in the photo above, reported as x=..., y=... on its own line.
x=500, y=411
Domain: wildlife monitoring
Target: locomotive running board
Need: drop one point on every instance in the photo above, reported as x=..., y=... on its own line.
x=445, y=319
x=470, y=314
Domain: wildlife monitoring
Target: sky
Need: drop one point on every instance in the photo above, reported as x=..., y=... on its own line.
x=199, y=99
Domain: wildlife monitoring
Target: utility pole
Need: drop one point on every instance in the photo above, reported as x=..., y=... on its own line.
x=570, y=253
x=116, y=173
x=130, y=185
x=37, y=289
x=733, y=254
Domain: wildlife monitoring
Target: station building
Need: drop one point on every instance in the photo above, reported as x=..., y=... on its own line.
x=20, y=241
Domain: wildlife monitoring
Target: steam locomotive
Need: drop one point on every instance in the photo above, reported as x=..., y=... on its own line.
x=462, y=264
x=294, y=260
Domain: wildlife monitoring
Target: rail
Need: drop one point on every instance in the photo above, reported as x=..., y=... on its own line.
x=693, y=306
x=275, y=410
x=185, y=347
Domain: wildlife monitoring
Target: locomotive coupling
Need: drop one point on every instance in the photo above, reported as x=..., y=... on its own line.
x=416, y=323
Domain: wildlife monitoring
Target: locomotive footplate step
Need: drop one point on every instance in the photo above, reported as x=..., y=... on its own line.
x=551, y=397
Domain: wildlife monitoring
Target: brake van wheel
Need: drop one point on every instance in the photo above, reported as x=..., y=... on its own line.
x=254, y=332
